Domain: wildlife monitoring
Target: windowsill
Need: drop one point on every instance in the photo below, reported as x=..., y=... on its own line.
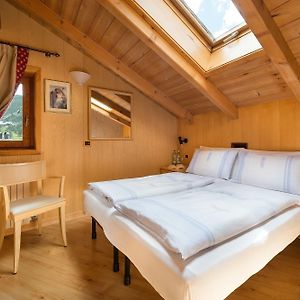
x=19, y=152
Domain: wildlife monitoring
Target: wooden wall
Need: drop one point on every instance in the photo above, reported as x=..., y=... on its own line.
x=270, y=126
x=63, y=135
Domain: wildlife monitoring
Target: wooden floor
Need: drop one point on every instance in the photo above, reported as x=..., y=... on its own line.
x=83, y=270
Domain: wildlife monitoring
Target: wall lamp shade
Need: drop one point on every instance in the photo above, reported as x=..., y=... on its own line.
x=80, y=77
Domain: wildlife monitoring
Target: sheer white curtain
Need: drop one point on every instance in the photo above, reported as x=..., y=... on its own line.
x=8, y=63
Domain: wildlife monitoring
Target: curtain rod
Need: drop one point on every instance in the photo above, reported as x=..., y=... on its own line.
x=46, y=52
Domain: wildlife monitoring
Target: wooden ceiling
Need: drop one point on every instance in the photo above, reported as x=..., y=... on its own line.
x=286, y=15
x=252, y=79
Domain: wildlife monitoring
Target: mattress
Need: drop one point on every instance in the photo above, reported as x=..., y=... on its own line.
x=213, y=273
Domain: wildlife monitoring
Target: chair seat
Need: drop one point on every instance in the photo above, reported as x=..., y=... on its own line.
x=32, y=203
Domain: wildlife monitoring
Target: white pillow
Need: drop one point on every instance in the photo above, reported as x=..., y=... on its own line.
x=213, y=162
x=271, y=170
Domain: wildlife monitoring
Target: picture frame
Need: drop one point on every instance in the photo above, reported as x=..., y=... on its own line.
x=57, y=96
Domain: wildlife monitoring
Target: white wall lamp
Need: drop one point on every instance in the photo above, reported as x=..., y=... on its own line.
x=80, y=77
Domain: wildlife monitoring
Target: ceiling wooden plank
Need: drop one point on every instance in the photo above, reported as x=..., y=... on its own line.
x=125, y=43
x=47, y=16
x=269, y=35
x=131, y=19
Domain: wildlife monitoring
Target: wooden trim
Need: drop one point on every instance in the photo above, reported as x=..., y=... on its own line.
x=18, y=152
x=137, y=24
x=28, y=111
x=269, y=35
x=47, y=16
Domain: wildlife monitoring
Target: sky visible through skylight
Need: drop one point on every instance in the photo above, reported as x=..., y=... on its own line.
x=218, y=16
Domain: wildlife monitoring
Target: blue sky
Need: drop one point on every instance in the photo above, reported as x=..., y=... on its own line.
x=219, y=16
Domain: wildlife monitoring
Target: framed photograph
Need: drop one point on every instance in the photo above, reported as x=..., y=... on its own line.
x=57, y=96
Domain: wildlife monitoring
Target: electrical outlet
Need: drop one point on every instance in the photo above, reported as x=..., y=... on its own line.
x=87, y=143
x=186, y=156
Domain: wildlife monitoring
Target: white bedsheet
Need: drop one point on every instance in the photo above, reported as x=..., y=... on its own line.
x=196, y=219
x=211, y=275
x=132, y=188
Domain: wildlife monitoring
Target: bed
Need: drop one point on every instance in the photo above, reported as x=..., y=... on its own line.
x=210, y=274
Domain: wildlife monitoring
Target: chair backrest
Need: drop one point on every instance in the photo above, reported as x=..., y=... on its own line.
x=18, y=173
x=15, y=179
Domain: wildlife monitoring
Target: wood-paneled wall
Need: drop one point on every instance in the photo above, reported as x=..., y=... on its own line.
x=63, y=135
x=270, y=126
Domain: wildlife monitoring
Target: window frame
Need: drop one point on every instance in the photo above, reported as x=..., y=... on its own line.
x=32, y=110
x=27, y=118
x=204, y=32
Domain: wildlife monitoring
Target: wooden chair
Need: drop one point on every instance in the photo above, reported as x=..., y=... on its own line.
x=20, y=174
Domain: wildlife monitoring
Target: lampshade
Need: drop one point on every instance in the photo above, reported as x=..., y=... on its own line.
x=80, y=77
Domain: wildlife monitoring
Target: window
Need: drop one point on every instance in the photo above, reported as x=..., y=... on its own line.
x=218, y=18
x=17, y=124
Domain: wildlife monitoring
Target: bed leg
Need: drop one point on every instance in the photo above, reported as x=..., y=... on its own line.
x=116, y=260
x=127, y=277
x=94, y=226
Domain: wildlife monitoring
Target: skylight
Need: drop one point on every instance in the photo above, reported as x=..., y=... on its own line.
x=218, y=17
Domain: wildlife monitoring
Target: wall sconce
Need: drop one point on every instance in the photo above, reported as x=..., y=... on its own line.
x=80, y=77
x=182, y=140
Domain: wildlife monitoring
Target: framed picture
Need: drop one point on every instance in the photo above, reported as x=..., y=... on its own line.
x=57, y=96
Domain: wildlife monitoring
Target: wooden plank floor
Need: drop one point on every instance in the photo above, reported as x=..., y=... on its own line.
x=83, y=270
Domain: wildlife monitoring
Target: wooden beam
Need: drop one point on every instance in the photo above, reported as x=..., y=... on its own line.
x=269, y=35
x=164, y=48
x=47, y=16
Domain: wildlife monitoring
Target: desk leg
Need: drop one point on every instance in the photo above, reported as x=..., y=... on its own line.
x=116, y=260
x=127, y=277
x=94, y=226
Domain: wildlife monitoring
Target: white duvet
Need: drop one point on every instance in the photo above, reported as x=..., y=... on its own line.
x=133, y=188
x=193, y=220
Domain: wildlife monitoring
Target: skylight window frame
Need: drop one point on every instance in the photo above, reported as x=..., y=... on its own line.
x=205, y=33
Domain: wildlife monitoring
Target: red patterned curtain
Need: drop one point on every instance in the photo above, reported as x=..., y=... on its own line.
x=22, y=60
x=8, y=65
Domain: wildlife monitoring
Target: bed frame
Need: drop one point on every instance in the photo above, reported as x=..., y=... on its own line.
x=116, y=265
x=127, y=262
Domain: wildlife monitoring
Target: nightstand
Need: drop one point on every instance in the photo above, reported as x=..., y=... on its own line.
x=167, y=170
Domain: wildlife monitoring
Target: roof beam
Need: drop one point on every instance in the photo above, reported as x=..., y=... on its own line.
x=47, y=16
x=137, y=24
x=269, y=35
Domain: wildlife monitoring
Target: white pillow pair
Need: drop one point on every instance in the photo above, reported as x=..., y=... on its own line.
x=267, y=169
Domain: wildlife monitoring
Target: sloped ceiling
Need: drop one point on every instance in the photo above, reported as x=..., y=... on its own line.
x=251, y=79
